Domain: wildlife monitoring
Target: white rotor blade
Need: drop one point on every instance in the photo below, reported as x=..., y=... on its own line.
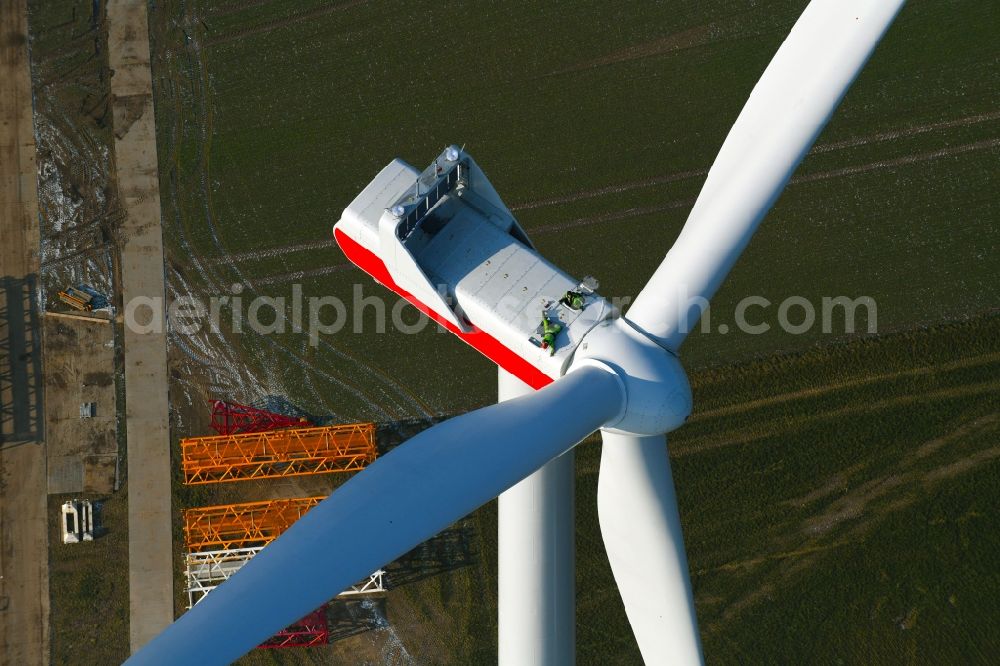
x=399, y=501
x=785, y=113
x=637, y=509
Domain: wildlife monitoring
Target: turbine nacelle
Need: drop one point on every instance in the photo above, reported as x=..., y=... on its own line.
x=444, y=240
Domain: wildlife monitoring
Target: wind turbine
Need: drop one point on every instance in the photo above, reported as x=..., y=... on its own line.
x=443, y=239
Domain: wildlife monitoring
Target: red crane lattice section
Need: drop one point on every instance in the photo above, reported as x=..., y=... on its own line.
x=230, y=526
x=278, y=453
x=231, y=418
x=307, y=632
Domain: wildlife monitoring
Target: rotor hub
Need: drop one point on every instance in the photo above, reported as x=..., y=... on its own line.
x=656, y=392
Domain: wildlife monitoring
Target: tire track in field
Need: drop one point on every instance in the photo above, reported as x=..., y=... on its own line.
x=222, y=9
x=683, y=446
x=781, y=398
x=279, y=251
x=212, y=359
x=226, y=371
x=230, y=363
x=300, y=275
x=906, y=132
x=890, y=135
x=610, y=189
x=749, y=563
x=382, y=381
x=848, y=518
x=610, y=217
x=700, y=35
x=897, y=162
x=667, y=179
x=741, y=24
x=659, y=208
x=282, y=22
x=808, y=178
x=835, y=484
x=336, y=379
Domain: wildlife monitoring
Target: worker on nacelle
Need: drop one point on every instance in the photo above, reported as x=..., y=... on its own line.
x=549, y=333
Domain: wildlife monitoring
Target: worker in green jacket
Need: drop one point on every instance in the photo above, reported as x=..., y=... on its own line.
x=549, y=333
x=572, y=299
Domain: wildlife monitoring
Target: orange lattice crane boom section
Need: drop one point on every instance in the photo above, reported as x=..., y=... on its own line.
x=278, y=453
x=230, y=526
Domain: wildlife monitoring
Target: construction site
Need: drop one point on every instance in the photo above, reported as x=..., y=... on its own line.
x=101, y=483
x=255, y=444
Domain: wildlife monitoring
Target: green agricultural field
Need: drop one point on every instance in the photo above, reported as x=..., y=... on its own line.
x=596, y=122
x=840, y=505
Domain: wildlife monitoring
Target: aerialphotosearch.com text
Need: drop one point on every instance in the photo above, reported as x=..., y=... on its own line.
x=381, y=311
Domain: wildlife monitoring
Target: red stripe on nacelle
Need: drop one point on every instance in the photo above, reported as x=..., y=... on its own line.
x=482, y=342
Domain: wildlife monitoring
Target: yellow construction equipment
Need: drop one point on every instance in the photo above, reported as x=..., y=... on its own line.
x=76, y=299
x=230, y=526
x=278, y=453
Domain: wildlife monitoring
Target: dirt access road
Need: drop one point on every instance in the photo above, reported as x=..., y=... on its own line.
x=151, y=590
x=24, y=577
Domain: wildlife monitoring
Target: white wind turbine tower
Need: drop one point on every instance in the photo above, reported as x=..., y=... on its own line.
x=443, y=239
